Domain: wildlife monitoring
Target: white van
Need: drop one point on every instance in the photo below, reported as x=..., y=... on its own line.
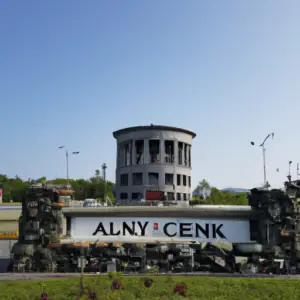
x=91, y=203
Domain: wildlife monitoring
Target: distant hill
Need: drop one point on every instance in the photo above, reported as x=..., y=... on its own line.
x=235, y=190
x=198, y=192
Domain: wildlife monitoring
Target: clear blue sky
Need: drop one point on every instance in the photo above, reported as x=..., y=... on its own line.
x=71, y=72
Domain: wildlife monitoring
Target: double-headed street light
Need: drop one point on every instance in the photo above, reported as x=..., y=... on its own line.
x=67, y=158
x=264, y=155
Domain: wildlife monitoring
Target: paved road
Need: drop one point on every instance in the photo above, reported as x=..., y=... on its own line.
x=35, y=276
x=39, y=276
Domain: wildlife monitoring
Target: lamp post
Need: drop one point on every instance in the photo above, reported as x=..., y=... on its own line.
x=264, y=155
x=67, y=159
x=289, y=175
x=104, y=166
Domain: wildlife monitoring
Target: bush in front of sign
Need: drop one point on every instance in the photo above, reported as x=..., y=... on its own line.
x=116, y=284
x=180, y=289
x=44, y=296
x=148, y=282
x=92, y=295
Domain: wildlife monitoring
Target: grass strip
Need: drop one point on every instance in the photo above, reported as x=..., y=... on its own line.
x=133, y=288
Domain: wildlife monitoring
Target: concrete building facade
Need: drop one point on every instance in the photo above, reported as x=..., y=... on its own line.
x=153, y=157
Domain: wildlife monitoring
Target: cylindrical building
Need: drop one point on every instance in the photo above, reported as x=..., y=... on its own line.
x=153, y=160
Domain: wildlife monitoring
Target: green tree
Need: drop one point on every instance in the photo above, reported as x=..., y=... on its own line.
x=15, y=188
x=218, y=197
x=204, y=185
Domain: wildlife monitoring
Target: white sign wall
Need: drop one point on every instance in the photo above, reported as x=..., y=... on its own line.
x=160, y=229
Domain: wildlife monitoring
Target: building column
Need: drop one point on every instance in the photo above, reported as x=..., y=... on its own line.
x=133, y=153
x=162, y=151
x=176, y=152
x=161, y=179
x=184, y=154
x=118, y=156
x=145, y=178
x=146, y=152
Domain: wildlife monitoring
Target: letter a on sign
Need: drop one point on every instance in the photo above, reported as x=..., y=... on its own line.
x=155, y=226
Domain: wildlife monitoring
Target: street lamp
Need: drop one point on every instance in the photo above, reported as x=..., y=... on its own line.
x=289, y=176
x=104, y=166
x=264, y=154
x=67, y=159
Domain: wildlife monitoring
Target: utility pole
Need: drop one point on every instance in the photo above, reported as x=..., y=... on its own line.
x=289, y=175
x=264, y=155
x=104, y=166
x=67, y=159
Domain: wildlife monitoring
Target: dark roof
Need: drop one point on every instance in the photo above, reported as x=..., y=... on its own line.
x=152, y=127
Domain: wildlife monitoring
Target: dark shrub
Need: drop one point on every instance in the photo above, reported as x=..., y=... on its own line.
x=148, y=282
x=44, y=296
x=181, y=289
x=116, y=284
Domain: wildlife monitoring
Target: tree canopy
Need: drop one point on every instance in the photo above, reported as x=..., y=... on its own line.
x=217, y=196
x=15, y=188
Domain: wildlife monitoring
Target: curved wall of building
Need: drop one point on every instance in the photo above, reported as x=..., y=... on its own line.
x=153, y=158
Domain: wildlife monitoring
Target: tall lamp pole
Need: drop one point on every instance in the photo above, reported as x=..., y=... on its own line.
x=264, y=154
x=104, y=166
x=67, y=159
x=290, y=176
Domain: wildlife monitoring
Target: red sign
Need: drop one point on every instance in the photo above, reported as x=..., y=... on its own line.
x=155, y=195
x=155, y=226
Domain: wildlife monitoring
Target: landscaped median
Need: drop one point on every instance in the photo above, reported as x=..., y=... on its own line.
x=207, y=288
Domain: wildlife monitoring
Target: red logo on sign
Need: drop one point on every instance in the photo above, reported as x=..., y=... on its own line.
x=155, y=226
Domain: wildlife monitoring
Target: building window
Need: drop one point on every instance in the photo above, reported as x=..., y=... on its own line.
x=178, y=179
x=184, y=196
x=170, y=196
x=153, y=179
x=180, y=152
x=169, y=152
x=139, y=152
x=137, y=178
x=124, y=196
x=169, y=179
x=124, y=179
x=184, y=180
x=189, y=181
x=190, y=156
x=154, y=151
x=178, y=196
x=135, y=196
